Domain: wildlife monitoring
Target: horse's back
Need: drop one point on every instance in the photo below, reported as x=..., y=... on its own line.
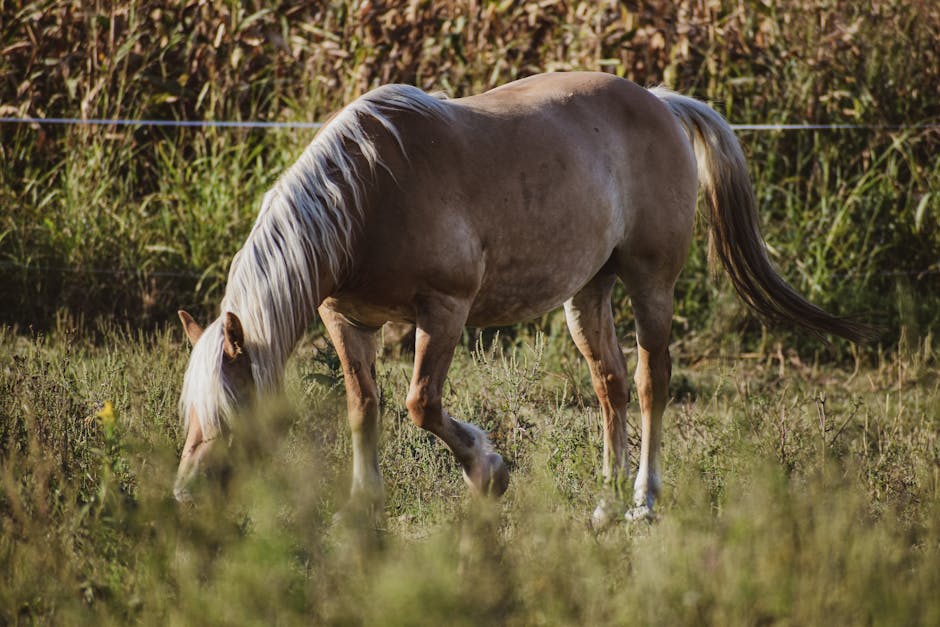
x=535, y=94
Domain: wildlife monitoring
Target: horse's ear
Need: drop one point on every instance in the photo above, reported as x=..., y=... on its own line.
x=190, y=326
x=234, y=343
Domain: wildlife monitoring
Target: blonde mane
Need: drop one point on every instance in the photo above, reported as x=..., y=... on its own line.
x=307, y=224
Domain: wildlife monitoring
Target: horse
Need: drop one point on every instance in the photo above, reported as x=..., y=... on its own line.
x=486, y=210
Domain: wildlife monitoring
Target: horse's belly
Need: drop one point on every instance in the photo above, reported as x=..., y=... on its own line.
x=514, y=288
x=505, y=309
x=523, y=292
x=366, y=312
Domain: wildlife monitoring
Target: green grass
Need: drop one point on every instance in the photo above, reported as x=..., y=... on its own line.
x=793, y=499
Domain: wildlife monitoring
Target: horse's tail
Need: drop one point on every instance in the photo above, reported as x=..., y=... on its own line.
x=734, y=232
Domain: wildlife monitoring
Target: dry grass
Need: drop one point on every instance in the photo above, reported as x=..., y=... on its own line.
x=793, y=499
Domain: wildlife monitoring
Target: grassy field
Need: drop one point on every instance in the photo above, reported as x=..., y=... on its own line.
x=795, y=494
x=802, y=480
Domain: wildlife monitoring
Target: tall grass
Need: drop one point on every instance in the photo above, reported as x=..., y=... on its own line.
x=796, y=497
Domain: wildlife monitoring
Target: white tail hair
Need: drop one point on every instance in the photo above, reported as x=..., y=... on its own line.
x=735, y=238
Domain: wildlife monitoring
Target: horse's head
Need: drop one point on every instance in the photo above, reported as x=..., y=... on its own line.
x=217, y=386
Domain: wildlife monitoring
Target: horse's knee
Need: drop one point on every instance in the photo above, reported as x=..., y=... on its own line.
x=652, y=378
x=653, y=368
x=362, y=396
x=424, y=409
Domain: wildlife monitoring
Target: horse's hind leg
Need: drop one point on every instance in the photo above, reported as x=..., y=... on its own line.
x=356, y=348
x=439, y=326
x=653, y=311
x=591, y=324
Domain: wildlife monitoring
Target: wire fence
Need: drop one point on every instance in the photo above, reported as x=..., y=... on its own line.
x=160, y=123
x=249, y=124
x=233, y=124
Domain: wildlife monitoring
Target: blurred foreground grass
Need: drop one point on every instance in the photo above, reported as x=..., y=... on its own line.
x=794, y=494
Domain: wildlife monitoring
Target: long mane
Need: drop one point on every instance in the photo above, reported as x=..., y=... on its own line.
x=306, y=225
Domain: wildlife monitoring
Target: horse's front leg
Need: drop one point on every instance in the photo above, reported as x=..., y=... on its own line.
x=356, y=348
x=195, y=451
x=439, y=326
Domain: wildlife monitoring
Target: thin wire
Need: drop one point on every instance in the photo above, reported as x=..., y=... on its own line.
x=317, y=125
x=831, y=127
x=170, y=123
x=106, y=271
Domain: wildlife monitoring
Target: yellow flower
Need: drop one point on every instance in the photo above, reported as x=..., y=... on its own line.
x=106, y=414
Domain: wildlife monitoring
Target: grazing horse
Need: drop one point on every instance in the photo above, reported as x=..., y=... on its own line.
x=486, y=210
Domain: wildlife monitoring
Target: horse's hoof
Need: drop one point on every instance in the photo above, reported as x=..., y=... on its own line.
x=605, y=515
x=184, y=497
x=499, y=475
x=640, y=513
x=360, y=514
x=490, y=477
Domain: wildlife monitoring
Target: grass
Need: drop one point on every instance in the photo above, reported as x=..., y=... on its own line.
x=802, y=481
x=794, y=494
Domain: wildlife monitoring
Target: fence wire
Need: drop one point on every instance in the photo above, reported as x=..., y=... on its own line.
x=248, y=124
x=316, y=125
